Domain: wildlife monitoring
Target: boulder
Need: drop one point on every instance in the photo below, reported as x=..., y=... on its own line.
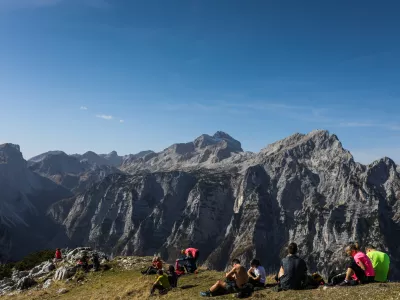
x=48, y=267
x=64, y=273
x=17, y=275
x=62, y=291
x=25, y=283
x=47, y=283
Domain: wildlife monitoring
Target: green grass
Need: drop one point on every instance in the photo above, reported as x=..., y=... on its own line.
x=130, y=284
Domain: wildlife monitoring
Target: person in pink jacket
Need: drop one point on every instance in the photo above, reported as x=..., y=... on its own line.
x=193, y=252
x=360, y=270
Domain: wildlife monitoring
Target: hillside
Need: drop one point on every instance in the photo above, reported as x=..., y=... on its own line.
x=119, y=283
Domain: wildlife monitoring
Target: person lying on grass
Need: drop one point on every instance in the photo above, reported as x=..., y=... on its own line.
x=234, y=281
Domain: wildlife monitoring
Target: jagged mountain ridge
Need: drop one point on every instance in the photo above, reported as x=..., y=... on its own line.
x=204, y=152
x=72, y=172
x=305, y=188
x=24, y=199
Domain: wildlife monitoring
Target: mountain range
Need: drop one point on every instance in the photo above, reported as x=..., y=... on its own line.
x=209, y=194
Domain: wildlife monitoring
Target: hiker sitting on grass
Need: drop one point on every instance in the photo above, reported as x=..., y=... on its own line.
x=191, y=252
x=380, y=263
x=360, y=269
x=172, y=277
x=189, y=262
x=293, y=272
x=161, y=284
x=235, y=280
x=155, y=266
x=256, y=274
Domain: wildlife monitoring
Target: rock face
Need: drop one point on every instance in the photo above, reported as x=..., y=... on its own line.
x=230, y=204
x=76, y=173
x=305, y=188
x=24, y=199
x=202, y=152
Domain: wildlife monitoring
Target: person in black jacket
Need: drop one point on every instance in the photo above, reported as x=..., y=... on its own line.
x=293, y=272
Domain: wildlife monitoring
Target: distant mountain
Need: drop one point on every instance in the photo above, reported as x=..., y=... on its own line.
x=24, y=199
x=113, y=159
x=74, y=172
x=202, y=152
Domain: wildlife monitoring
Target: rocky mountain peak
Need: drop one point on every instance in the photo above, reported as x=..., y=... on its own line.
x=11, y=154
x=112, y=154
x=303, y=144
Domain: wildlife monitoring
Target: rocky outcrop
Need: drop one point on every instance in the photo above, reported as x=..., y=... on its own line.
x=305, y=188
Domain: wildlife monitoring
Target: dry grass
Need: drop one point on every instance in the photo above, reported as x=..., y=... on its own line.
x=130, y=284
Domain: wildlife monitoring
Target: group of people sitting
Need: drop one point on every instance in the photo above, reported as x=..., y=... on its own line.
x=169, y=279
x=362, y=269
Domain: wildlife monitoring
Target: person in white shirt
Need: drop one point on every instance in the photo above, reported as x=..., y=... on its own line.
x=257, y=275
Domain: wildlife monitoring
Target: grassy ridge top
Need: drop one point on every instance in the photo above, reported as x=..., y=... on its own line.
x=119, y=283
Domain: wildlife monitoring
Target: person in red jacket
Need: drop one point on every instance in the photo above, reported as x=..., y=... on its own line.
x=57, y=256
x=156, y=265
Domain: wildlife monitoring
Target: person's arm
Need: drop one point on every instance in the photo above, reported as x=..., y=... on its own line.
x=362, y=266
x=281, y=272
x=231, y=273
x=249, y=273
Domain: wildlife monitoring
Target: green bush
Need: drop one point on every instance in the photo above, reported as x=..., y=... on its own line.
x=34, y=259
x=6, y=270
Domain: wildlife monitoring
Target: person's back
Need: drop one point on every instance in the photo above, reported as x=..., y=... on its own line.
x=163, y=280
x=260, y=271
x=294, y=270
x=380, y=262
x=172, y=277
x=295, y=273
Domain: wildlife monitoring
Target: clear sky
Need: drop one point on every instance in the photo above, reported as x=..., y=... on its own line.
x=78, y=75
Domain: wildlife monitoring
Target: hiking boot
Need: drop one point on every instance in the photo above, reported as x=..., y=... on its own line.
x=205, y=294
x=345, y=283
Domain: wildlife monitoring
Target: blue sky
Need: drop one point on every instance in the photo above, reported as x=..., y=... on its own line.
x=71, y=70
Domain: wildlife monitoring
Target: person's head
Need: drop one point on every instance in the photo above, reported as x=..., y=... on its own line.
x=255, y=263
x=58, y=249
x=160, y=272
x=171, y=269
x=183, y=251
x=352, y=249
x=235, y=262
x=370, y=248
x=292, y=248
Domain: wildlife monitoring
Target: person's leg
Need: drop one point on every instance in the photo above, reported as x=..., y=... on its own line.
x=156, y=287
x=219, y=284
x=349, y=273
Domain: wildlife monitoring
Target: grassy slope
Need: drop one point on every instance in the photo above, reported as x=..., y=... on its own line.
x=130, y=284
